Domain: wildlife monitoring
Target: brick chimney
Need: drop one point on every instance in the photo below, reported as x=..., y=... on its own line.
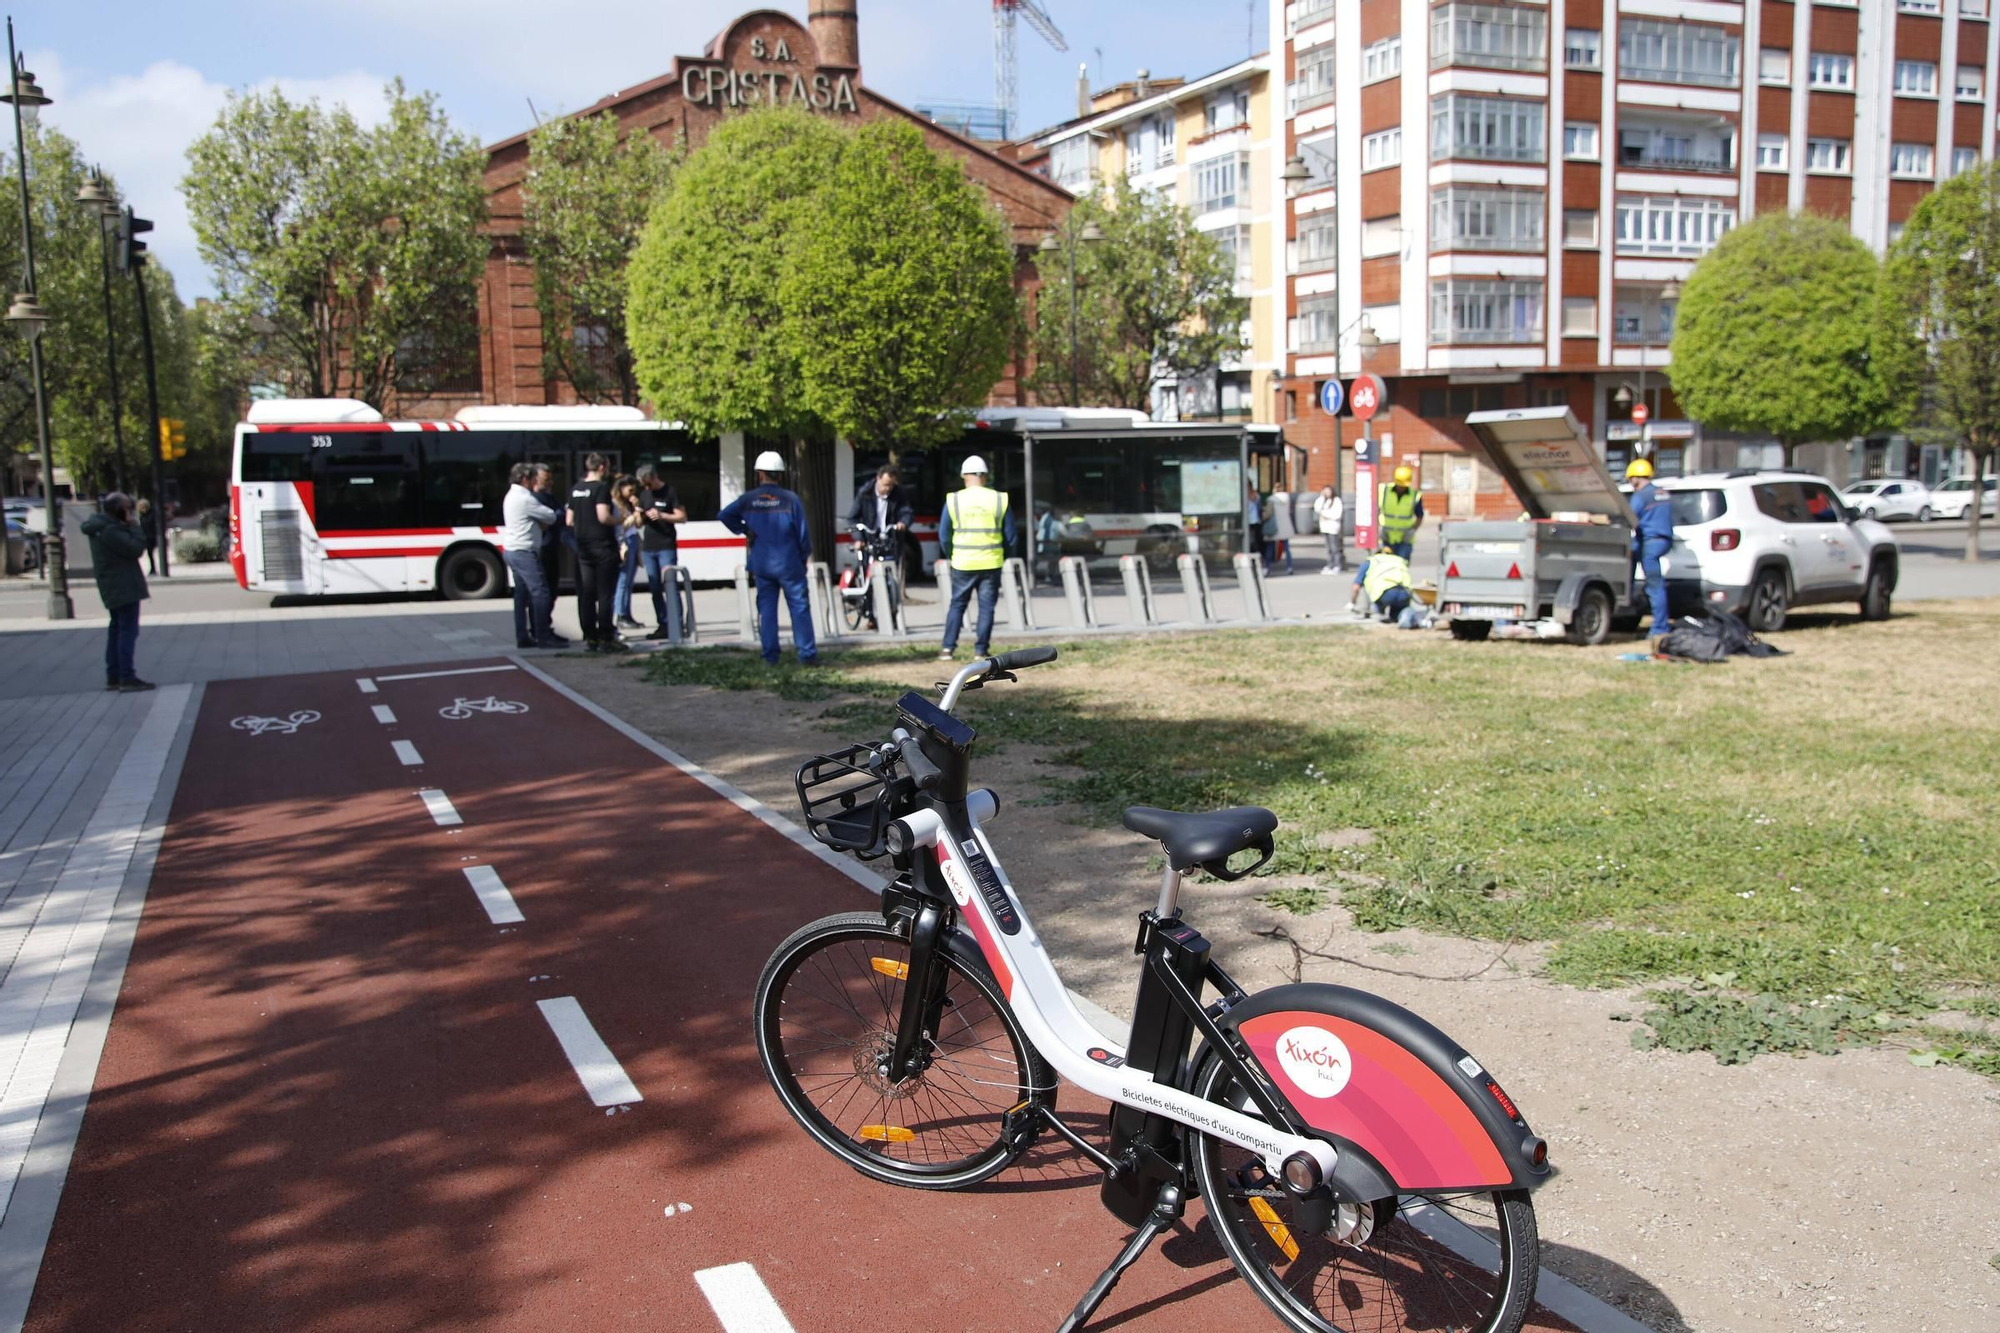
x=836, y=32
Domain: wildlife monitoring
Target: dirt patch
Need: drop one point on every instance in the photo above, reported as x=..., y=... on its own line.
x=1849, y=1192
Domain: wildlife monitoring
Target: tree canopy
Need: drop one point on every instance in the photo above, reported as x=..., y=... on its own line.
x=1776, y=334
x=586, y=199
x=1941, y=316
x=350, y=256
x=1155, y=299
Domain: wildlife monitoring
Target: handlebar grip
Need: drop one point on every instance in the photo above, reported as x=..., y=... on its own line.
x=1024, y=657
x=918, y=765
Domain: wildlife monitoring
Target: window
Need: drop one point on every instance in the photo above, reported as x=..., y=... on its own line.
x=1662, y=52
x=1972, y=8
x=1963, y=159
x=1454, y=402
x=1579, y=317
x=1072, y=163
x=1671, y=224
x=1221, y=182
x=1916, y=78
x=1494, y=128
x=1228, y=109
x=1235, y=243
x=1971, y=84
x=1311, y=11
x=1486, y=311
x=1318, y=154
x=1834, y=72
x=443, y=357
x=1829, y=156
x=1317, y=330
x=1676, y=146
x=1386, y=320
x=1383, y=60
x=1583, y=48
x=1467, y=217
x=1918, y=6
x=1774, y=65
x=1639, y=315
x=1580, y=140
x=1772, y=151
x=1382, y=150
x=1149, y=145
x=1492, y=36
x=1315, y=250
x=1580, y=228
x=1314, y=86
x=1912, y=161
x=368, y=479
x=1382, y=236
x=465, y=476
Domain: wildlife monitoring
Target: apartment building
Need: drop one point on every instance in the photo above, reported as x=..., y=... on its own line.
x=1494, y=204
x=1214, y=145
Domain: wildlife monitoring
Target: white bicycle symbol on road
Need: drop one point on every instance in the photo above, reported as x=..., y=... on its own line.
x=284, y=726
x=462, y=708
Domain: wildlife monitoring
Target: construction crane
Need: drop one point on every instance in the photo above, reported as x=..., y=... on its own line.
x=1006, y=73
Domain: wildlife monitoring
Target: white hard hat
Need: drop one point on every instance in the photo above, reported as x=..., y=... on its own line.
x=971, y=465
x=768, y=461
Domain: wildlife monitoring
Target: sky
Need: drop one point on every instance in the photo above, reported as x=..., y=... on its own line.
x=135, y=82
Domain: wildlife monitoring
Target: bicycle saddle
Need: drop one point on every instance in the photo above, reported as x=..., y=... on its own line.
x=1205, y=840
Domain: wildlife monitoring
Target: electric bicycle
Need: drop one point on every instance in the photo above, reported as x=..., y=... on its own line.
x=874, y=558
x=1361, y=1169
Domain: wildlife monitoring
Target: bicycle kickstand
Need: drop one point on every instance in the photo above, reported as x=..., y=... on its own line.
x=1167, y=1209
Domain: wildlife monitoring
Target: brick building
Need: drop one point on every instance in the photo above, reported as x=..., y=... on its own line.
x=764, y=57
x=1501, y=199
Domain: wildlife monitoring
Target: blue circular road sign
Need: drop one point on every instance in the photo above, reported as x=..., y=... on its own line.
x=1330, y=397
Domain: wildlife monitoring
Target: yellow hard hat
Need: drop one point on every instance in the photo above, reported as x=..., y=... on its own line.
x=1404, y=476
x=1638, y=467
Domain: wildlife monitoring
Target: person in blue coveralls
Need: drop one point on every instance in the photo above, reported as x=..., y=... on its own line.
x=1652, y=538
x=774, y=520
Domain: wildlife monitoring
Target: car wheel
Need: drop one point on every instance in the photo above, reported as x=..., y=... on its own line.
x=469, y=574
x=1875, y=594
x=1924, y=514
x=1868, y=513
x=1770, y=599
x=1590, y=624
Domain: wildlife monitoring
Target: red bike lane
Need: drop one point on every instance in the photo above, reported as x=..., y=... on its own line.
x=350, y=1086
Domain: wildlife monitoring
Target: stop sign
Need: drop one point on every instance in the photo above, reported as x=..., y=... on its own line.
x=1639, y=414
x=1366, y=396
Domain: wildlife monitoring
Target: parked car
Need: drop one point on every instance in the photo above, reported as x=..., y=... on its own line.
x=1890, y=498
x=1760, y=542
x=24, y=547
x=1950, y=499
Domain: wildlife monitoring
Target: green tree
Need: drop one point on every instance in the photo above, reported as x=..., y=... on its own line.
x=1941, y=307
x=352, y=255
x=586, y=200
x=707, y=329
x=1155, y=300
x=1776, y=335
x=899, y=301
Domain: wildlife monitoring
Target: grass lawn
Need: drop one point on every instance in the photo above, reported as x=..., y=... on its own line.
x=1794, y=853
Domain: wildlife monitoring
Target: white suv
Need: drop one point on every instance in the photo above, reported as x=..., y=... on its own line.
x=1760, y=542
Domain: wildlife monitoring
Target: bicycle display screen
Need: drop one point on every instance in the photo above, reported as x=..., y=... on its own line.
x=924, y=715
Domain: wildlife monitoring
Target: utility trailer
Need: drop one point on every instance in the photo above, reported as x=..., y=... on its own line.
x=1566, y=568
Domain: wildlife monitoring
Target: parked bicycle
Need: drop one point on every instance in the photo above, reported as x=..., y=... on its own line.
x=1360, y=1168
x=874, y=559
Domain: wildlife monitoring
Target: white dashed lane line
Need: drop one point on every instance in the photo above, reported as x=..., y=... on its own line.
x=741, y=1300
x=440, y=806
x=407, y=752
x=461, y=671
x=385, y=715
x=493, y=895
x=596, y=1067
x=367, y=686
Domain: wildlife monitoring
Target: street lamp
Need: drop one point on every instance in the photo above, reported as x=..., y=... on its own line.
x=97, y=198
x=1071, y=238
x=27, y=97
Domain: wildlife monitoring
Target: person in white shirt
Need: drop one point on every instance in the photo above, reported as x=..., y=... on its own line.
x=523, y=516
x=1331, y=510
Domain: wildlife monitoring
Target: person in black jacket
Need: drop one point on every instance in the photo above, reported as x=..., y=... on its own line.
x=149, y=527
x=884, y=506
x=115, y=547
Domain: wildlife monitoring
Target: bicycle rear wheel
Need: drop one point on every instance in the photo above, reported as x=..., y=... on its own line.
x=827, y=1010
x=1428, y=1263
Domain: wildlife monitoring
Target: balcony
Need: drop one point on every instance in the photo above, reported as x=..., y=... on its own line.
x=1696, y=54
x=1308, y=12
x=1672, y=226
x=1490, y=37
x=1693, y=144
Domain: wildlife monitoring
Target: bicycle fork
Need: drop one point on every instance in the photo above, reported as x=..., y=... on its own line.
x=923, y=997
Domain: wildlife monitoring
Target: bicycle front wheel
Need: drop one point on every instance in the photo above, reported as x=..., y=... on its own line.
x=827, y=1010
x=1466, y=1262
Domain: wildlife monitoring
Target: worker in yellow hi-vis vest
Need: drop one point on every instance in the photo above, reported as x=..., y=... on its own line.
x=1399, y=512
x=975, y=533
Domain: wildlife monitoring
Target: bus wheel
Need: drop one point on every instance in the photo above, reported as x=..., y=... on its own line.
x=469, y=573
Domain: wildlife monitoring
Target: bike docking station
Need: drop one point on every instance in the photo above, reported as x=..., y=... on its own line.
x=1017, y=608
x=824, y=596
x=1194, y=584
x=1138, y=580
x=1076, y=590
x=679, y=594
x=1250, y=580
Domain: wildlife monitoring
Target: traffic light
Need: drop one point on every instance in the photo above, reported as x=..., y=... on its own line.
x=131, y=250
x=173, y=438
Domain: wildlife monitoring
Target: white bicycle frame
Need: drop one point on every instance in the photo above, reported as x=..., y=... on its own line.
x=1042, y=1004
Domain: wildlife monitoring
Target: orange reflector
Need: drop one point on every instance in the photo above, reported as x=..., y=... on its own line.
x=887, y=1134
x=1452, y=572
x=1281, y=1235
x=889, y=967
x=1513, y=571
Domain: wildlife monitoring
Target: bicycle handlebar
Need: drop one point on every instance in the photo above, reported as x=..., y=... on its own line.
x=1024, y=657
x=921, y=770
